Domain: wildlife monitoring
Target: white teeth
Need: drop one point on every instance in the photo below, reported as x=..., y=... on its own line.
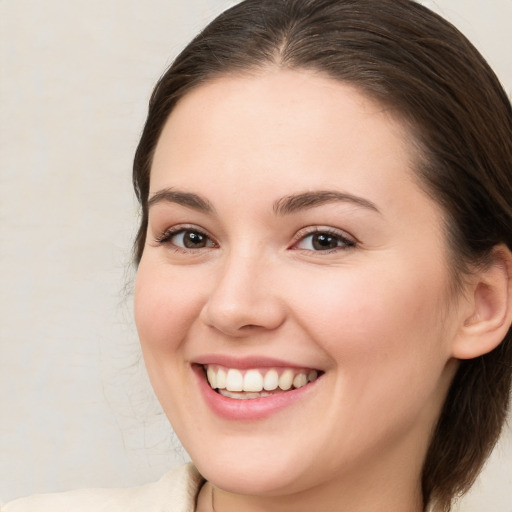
x=253, y=381
x=271, y=380
x=286, y=380
x=221, y=379
x=243, y=396
x=234, y=380
x=300, y=380
x=212, y=377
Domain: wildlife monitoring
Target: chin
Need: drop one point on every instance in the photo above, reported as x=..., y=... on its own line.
x=251, y=478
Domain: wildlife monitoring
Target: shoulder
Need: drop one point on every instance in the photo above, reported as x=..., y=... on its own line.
x=176, y=491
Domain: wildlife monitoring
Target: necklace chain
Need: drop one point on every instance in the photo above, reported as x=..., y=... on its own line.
x=213, y=505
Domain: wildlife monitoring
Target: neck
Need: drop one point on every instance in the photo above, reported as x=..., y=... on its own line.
x=397, y=489
x=225, y=502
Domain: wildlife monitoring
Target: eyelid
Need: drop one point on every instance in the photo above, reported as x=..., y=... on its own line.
x=349, y=240
x=303, y=233
x=166, y=235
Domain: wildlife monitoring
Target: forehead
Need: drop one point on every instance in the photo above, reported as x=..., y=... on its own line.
x=289, y=103
x=283, y=129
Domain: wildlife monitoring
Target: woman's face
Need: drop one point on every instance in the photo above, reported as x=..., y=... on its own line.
x=288, y=242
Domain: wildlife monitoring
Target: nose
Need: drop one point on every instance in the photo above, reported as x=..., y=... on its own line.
x=244, y=299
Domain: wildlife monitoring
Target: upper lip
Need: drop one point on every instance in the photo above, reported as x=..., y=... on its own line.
x=244, y=363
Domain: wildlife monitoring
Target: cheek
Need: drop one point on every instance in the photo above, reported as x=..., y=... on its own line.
x=165, y=306
x=386, y=348
x=375, y=320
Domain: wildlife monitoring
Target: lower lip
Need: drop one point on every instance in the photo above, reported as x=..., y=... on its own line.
x=250, y=409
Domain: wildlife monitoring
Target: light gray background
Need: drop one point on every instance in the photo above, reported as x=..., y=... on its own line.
x=75, y=406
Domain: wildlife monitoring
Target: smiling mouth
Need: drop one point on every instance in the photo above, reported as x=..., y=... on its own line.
x=257, y=382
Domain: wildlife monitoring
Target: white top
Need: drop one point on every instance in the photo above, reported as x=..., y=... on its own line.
x=176, y=491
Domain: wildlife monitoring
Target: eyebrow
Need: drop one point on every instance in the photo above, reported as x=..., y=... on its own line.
x=189, y=199
x=284, y=206
x=305, y=200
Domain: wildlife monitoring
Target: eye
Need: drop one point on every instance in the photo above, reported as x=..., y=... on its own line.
x=186, y=238
x=324, y=240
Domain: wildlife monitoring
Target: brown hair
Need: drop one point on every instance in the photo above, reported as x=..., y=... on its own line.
x=413, y=61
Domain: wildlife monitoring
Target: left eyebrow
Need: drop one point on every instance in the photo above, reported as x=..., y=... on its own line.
x=305, y=200
x=188, y=199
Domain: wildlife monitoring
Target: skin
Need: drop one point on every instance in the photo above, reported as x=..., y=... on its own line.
x=377, y=315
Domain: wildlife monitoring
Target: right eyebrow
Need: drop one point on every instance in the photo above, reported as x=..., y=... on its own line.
x=188, y=199
x=305, y=200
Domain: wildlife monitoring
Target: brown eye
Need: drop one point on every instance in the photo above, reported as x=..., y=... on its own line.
x=194, y=240
x=324, y=241
x=187, y=239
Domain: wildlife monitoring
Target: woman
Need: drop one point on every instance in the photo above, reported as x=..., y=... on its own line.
x=323, y=294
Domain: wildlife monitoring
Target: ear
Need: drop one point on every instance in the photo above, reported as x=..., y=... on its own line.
x=487, y=315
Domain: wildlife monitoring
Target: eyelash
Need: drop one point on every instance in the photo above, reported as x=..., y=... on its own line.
x=166, y=237
x=341, y=237
x=345, y=242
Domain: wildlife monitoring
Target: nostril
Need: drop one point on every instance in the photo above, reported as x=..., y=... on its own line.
x=239, y=304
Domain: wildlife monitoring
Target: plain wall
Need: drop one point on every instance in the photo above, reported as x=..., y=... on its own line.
x=75, y=77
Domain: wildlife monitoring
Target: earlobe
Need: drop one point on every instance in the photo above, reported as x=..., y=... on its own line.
x=489, y=315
